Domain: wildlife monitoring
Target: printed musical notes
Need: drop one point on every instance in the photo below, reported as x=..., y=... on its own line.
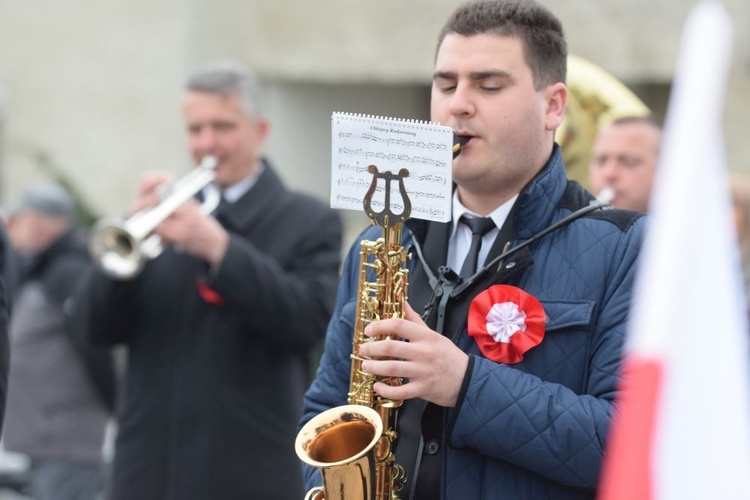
x=424, y=149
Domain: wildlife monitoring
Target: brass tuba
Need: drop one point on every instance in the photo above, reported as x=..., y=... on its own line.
x=352, y=445
x=595, y=98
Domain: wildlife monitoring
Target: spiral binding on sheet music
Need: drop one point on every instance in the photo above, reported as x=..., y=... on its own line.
x=392, y=144
x=386, y=120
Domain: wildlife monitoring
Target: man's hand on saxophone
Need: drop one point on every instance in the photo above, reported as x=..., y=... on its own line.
x=433, y=366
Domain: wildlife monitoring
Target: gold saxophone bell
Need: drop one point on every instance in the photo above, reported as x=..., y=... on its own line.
x=353, y=445
x=120, y=248
x=341, y=442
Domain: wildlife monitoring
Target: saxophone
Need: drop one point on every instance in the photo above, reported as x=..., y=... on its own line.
x=353, y=444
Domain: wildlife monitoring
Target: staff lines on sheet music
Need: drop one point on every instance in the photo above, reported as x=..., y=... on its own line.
x=434, y=212
x=364, y=183
x=424, y=195
x=391, y=144
x=395, y=206
x=361, y=169
x=438, y=179
x=359, y=182
x=398, y=207
x=398, y=141
x=376, y=203
x=403, y=158
x=349, y=199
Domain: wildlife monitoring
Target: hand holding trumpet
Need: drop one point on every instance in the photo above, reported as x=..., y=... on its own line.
x=195, y=233
x=151, y=190
x=121, y=247
x=188, y=227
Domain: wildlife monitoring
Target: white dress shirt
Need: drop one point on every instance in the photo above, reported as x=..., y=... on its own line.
x=460, y=239
x=235, y=191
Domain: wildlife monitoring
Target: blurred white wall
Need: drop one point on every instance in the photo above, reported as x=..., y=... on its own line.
x=95, y=86
x=92, y=85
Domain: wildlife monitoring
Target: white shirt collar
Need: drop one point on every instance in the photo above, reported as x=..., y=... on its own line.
x=460, y=238
x=498, y=215
x=238, y=190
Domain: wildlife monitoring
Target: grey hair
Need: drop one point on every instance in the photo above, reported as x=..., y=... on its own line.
x=227, y=78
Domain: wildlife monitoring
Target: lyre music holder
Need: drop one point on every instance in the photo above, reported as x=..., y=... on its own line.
x=386, y=217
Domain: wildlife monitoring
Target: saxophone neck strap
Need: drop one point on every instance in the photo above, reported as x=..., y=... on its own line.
x=447, y=284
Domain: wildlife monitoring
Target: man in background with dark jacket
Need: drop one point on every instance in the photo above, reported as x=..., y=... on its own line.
x=219, y=327
x=61, y=390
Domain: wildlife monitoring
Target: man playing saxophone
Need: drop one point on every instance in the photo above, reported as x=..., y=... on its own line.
x=219, y=326
x=517, y=307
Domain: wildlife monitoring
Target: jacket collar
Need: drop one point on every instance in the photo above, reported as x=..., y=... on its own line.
x=255, y=201
x=534, y=208
x=533, y=211
x=538, y=200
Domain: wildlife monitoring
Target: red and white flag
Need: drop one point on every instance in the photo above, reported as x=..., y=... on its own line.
x=682, y=429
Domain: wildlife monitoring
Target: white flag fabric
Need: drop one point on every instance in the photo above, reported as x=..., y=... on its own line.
x=682, y=429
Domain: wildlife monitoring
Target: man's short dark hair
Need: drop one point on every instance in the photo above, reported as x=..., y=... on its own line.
x=545, y=49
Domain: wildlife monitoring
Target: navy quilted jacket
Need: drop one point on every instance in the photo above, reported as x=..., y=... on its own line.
x=535, y=429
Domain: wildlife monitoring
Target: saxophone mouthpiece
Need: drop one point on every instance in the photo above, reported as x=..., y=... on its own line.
x=458, y=143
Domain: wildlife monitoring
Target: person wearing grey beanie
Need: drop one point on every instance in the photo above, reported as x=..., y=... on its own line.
x=60, y=388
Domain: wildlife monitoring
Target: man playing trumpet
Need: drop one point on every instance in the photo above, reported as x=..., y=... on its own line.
x=623, y=161
x=219, y=326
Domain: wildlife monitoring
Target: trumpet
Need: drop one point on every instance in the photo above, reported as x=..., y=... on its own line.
x=121, y=248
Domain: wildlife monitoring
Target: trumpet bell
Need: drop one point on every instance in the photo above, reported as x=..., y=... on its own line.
x=121, y=247
x=117, y=252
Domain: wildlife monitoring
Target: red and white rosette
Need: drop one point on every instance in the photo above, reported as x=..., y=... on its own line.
x=506, y=322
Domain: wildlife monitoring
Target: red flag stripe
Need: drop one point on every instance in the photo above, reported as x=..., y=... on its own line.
x=627, y=473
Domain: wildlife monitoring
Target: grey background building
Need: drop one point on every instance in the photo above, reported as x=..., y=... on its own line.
x=92, y=89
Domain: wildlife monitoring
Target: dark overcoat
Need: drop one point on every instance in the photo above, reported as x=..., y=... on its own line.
x=213, y=390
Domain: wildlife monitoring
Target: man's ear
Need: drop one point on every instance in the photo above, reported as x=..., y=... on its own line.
x=262, y=126
x=557, y=98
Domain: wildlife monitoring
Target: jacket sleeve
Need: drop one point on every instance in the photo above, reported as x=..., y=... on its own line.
x=291, y=299
x=548, y=428
x=105, y=308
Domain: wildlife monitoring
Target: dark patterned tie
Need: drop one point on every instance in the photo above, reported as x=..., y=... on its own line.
x=222, y=208
x=479, y=227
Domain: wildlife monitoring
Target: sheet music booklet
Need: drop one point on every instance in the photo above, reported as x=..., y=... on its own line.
x=423, y=148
